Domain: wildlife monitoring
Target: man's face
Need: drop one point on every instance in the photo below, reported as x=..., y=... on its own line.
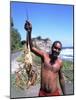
x=56, y=50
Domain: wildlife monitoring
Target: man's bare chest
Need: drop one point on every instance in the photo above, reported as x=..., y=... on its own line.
x=49, y=66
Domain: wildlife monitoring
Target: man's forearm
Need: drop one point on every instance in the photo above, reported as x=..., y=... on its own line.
x=28, y=28
x=62, y=84
x=29, y=41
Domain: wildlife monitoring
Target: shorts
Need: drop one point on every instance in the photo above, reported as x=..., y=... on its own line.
x=43, y=93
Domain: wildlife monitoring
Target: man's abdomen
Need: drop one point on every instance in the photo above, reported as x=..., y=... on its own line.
x=48, y=81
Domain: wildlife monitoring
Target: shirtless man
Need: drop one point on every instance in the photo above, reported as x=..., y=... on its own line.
x=51, y=66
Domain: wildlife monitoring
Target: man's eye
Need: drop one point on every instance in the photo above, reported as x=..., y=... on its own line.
x=57, y=48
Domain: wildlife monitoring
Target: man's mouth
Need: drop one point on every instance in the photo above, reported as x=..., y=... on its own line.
x=55, y=54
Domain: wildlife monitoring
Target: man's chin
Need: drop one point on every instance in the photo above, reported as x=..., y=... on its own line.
x=55, y=56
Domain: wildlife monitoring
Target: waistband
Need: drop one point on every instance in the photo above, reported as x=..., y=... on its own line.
x=44, y=93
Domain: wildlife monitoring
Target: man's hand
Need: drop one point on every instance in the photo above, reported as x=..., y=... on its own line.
x=28, y=26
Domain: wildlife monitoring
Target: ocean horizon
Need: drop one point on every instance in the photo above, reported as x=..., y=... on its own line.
x=67, y=53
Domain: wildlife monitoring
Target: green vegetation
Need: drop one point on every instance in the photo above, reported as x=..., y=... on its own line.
x=37, y=60
x=15, y=38
x=20, y=58
x=68, y=70
x=67, y=65
x=22, y=81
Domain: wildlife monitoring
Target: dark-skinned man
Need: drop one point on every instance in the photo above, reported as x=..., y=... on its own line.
x=51, y=66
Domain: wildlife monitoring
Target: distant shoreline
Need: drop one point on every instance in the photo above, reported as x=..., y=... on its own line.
x=69, y=47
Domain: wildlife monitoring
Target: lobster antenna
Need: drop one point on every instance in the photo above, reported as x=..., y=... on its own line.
x=27, y=17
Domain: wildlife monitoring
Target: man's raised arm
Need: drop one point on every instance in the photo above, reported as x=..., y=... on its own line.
x=28, y=28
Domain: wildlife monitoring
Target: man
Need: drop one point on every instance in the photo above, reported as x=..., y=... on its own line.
x=51, y=66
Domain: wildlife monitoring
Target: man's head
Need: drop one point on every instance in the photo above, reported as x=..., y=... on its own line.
x=56, y=48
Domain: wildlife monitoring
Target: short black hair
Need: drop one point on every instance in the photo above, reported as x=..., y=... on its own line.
x=55, y=42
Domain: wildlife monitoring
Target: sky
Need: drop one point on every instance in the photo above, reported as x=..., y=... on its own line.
x=51, y=21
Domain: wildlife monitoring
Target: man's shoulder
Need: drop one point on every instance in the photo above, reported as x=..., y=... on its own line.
x=60, y=61
x=46, y=54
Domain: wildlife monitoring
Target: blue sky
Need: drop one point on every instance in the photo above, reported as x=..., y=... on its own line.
x=48, y=20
